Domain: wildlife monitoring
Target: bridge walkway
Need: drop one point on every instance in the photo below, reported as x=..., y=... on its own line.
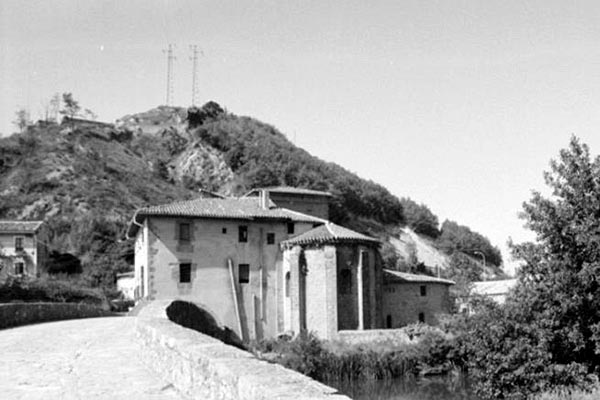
x=95, y=358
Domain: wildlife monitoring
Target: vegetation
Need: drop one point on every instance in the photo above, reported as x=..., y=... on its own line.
x=49, y=290
x=327, y=361
x=420, y=218
x=547, y=336
x=458, y=238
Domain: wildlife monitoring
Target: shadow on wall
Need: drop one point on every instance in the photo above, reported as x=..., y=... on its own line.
x=193, y=317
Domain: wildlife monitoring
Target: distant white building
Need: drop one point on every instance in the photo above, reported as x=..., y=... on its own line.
x=495, y=290
x=126, y=284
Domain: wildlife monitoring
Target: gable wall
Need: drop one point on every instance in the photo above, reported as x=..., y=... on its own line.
x=211, y=286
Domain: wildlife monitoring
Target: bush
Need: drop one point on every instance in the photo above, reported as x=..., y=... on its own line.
x=434, y=351
x=49, y=290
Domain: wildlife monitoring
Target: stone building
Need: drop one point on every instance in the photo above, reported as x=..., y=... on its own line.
x=306, y=201
x=410, y=298
x=22, y=248
x=333, y=281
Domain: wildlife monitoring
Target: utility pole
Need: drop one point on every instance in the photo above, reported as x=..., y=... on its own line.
x=194, y=59
x=170, y=59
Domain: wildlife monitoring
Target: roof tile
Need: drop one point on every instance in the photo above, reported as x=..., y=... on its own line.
x=329, y=233
x=20, y=226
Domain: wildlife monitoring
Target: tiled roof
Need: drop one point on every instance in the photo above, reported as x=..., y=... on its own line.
x=20, y=226
x=329, y=233
x=494, y=287
x=404, y=277
x=289, y=190
x=229, y=208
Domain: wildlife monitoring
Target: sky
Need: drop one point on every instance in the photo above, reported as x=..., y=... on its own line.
x=459, y=105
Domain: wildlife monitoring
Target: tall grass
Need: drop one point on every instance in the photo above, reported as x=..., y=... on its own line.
x=332, y=361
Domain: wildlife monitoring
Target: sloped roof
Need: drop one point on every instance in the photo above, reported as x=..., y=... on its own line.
x=20, y=226
x=329, y=233
x=404, y=277
x=228, y=208
x=289, y=190
x=491, y=288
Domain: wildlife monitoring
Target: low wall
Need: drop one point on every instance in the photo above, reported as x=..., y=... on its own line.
x=202, y=367
x=392, y=336
x=16, y=314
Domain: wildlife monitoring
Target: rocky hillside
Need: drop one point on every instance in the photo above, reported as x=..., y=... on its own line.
x=86, y=179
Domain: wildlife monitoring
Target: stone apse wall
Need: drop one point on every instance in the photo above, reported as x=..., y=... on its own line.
x=202, y=367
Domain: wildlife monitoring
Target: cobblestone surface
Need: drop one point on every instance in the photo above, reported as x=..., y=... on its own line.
x=78, y=359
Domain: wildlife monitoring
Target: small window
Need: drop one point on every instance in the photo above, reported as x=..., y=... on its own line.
x=243, y=234
x=270, y=238
x=345, y=281
x=244, y=273
x=19, y=268
x=19, y=243
x=422, y=317
x=423, y=290
x=287, y=284
x=224, y=230
x=290, y=228
x=388, y=321
x=185, y=232
x=185, y=273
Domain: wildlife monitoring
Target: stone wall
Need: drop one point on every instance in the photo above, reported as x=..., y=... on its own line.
x=202, y=367
x=16, y=314
x=372, y=336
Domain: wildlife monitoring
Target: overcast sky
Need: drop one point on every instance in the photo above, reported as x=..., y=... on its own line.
x=456, y=104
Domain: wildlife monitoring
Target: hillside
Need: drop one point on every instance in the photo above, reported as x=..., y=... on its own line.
x=86, y=179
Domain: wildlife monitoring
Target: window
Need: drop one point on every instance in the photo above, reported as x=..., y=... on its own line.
x=185, y=273
x=345, y=281
x=244, y=273
x=224, y=230
x=287, y=284
x=270, y=238
x=185, y=231
x=18, y=243
x=423, y=290
x=242, y=234
x=422, y=317
x=388, y=321
x=290, y=228
x=19, y=268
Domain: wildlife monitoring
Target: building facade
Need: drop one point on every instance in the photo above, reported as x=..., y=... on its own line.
x=258, y=269
x=22, y=249
x=410, y=298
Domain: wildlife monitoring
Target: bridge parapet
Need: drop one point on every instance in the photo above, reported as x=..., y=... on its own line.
x=199, y=366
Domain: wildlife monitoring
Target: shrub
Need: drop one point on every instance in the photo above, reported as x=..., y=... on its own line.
x=50, y=290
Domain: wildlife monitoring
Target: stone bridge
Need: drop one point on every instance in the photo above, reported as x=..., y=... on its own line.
x=143, y=357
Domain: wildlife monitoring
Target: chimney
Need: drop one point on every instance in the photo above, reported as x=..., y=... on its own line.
x=264, y=199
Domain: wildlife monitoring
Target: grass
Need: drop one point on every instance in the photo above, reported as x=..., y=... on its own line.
x=331, y=361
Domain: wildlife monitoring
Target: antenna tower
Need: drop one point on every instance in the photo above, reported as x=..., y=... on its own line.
x=170, y=59
x=194, y=59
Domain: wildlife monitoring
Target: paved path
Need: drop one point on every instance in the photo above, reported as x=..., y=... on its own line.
x=78, y=359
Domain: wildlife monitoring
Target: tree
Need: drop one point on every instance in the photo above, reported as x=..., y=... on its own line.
x=548, y=332
x=22, y=120
x=71, y=106
x=560, y=278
